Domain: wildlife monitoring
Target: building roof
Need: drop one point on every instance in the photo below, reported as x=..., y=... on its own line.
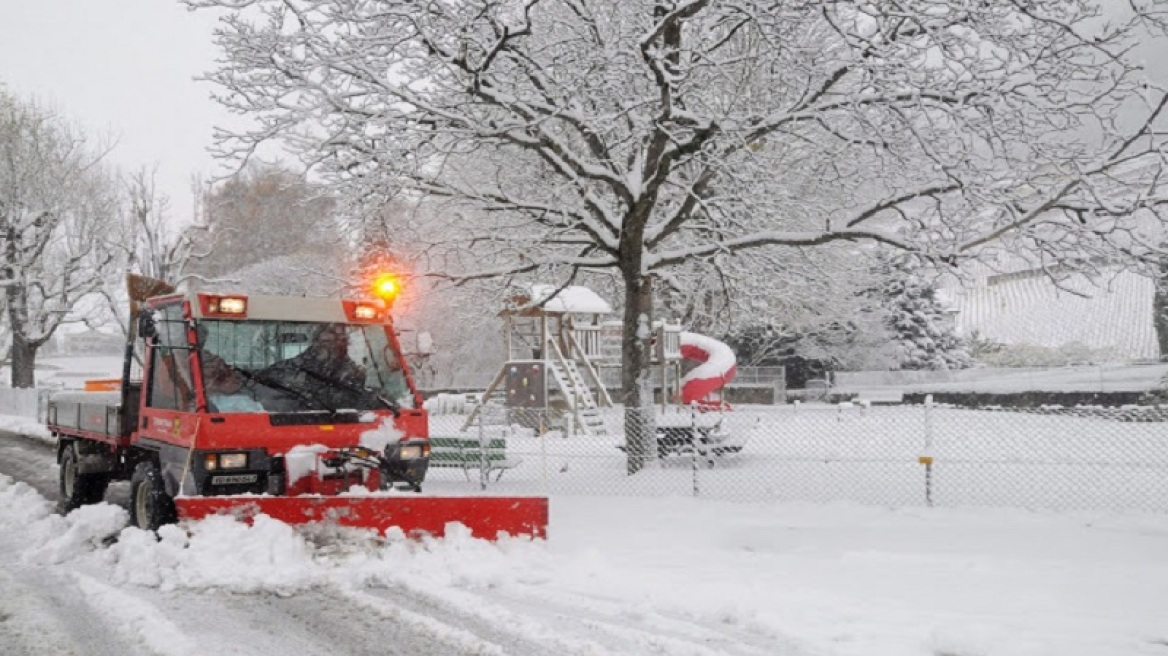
x=573, y=299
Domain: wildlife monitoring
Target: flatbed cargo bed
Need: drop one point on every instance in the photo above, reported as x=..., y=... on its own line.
x=91, y=412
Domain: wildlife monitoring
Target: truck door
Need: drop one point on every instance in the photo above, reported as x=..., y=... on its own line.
x=170, y=386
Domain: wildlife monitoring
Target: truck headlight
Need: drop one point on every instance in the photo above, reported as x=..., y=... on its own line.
x=410, y=452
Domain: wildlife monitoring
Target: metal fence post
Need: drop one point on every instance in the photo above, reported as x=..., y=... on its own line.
x=693, y=443
x=543, y=450
x=926, y=458
x=482, y=455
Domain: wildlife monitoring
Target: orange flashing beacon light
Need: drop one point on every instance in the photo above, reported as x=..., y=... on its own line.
x=386, y=287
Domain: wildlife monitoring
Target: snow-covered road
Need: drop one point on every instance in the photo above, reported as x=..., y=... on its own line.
x=63, y=597
x=617, y=576
x=30, y=461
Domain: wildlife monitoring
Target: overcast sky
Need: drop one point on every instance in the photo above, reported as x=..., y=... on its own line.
x=122, y=68
x=127, y=68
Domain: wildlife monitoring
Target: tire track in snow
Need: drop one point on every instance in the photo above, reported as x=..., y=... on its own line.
x=137, y=619
x=30, y=461
x=312, y=622
x=532, y=621
x=43, y=611
x=690, y=632
x=43, y=614
x=34, y=462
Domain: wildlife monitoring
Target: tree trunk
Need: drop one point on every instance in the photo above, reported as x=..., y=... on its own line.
x=636, y=385
x=23, y=350
x=1160, y=311
x=23, y=359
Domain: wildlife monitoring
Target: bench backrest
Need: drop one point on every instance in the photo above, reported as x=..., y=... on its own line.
x=459, y=450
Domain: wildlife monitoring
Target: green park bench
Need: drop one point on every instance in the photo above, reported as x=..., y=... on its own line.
x=468, y=453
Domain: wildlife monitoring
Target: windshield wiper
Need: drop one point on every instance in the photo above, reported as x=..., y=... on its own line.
x=277, y=385
x=393, y=407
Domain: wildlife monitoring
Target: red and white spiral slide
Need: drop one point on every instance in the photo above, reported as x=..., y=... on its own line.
x=717, y=368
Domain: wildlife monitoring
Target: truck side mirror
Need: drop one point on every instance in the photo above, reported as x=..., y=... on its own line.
x=146, y=327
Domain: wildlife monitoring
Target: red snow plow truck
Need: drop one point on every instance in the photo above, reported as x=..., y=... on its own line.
x=302, y=409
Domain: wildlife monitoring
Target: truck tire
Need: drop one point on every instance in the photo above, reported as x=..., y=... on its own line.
x=150, y=505
x=78, y=489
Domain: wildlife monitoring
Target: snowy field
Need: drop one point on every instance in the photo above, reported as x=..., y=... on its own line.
x=1102, y=378
x=1050, y=460
x=616, y=576
x=71, y=371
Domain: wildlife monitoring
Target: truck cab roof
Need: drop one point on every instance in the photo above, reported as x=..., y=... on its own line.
x=245, y=306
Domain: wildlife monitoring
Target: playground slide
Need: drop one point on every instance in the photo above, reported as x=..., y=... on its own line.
x=717, y=369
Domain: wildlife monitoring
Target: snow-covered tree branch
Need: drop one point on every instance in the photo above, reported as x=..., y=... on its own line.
x=57, y=226
x=637, y=136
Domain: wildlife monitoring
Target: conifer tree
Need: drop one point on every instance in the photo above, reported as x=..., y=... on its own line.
x=916, y=317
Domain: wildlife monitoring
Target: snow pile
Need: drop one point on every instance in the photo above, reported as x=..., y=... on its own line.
x=301, y=460
x=379, y=437
x=457, y=560
x=25, y=426
x=219, y=552
x=268, y=555
x=50, y=538
x=448, y=404
x=87, y=528
x=20, y=505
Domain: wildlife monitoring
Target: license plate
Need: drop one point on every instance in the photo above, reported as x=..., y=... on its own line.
x=231, y=480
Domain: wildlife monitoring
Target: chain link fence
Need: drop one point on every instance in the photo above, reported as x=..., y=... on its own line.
x=901, y=455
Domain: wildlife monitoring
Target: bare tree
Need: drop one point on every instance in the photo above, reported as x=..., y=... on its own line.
x=640, y=135
x=57, y=223
x=263, y=212
x=150, y=241
x=160, y=249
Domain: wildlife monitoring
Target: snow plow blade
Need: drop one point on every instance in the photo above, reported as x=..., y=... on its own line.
x=486, y=517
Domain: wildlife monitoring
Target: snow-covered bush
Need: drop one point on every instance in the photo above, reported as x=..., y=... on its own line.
x=448, y=404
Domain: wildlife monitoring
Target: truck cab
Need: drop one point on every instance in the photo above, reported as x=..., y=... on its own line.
x=242, y=394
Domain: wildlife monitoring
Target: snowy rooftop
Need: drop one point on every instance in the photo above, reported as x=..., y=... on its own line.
x=574, y=298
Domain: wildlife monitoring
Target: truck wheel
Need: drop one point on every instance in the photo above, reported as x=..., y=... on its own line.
x=79, y=489
x=150, y=505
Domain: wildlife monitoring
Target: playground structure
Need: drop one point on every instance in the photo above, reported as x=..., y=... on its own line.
x=562, y=350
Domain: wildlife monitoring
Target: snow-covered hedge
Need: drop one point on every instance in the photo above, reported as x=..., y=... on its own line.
x=450, y=404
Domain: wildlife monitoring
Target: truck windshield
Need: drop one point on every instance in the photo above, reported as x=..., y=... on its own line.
x=287, y=366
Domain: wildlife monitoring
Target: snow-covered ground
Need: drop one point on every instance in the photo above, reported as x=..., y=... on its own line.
x=1049, y=459
x=71, y=371
x=653, y=571
x=1101, y=378
x=620, y=576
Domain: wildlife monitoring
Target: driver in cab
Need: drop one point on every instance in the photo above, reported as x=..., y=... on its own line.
x=327, y=357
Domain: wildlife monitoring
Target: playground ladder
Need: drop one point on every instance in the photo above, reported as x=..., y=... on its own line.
x=575, y=391
x=581, y=356
x=491, y=405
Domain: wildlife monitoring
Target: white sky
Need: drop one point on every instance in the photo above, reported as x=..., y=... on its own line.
x=124, y=68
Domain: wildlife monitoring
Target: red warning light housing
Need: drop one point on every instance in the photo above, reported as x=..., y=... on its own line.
x=229, y=307
x=364, y=311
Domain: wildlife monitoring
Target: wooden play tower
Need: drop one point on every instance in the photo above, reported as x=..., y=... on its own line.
x=559, y=343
